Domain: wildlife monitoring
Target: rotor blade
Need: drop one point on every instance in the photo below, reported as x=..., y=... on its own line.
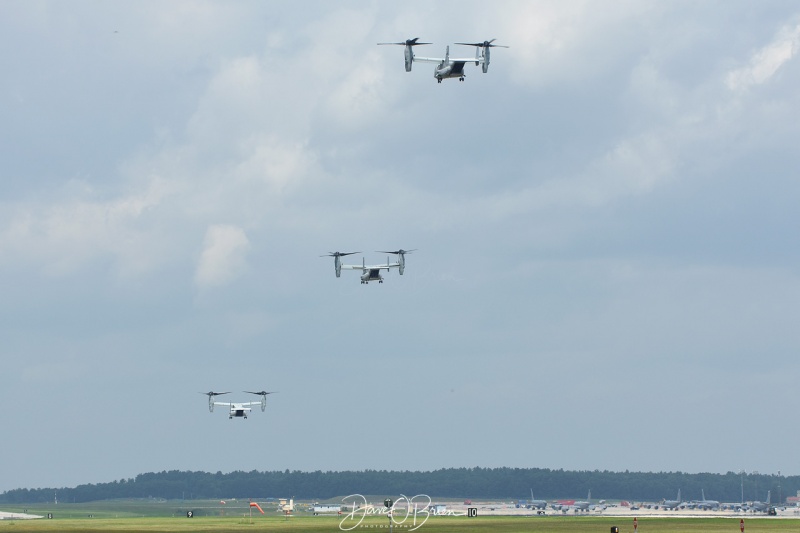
x=408, y=42
x=489, y=43
x=260, y=393
x=212, y=393
x=396, y=252
x=485, y=44
x=339, y=254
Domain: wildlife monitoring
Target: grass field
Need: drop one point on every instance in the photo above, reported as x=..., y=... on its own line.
x=132, y=516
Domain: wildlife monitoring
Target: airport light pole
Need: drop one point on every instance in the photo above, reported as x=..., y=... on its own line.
x=741, y=476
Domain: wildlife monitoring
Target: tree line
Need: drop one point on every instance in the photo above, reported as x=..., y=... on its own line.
x=474, y=483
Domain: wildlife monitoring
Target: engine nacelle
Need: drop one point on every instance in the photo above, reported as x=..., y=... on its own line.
x=401, y=260
x=263, y=402
x=409, y=55
x=338, y=263
x=485, y=55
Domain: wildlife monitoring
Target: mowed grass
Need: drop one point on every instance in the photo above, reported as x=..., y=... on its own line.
x=238, y=520
x=167, y=516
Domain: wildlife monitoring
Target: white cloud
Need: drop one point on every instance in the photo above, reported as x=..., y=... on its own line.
x=62, y=237
x=274, y=162
x=556, y=41
x=224, y=255
x=765, y=62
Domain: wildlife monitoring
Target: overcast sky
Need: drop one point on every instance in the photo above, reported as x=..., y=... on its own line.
x=606, y=223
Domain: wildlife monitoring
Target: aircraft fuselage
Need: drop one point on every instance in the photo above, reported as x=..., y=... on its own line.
x=449, y=70
x=238, y=412
x=373, y=274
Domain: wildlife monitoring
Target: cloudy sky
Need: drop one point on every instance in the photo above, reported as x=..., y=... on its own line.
x=606, y=223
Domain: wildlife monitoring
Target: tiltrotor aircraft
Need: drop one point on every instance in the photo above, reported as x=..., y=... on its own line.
x=448, y=67
x=370, y=272
x=237, y=409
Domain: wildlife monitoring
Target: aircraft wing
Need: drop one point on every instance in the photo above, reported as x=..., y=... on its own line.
x=452, y=59
x=382, y=267
x=468, y=60
x=226, y=404
x=428, y=59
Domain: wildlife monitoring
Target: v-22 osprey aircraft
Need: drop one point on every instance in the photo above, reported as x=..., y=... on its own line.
x=370, y=272
x=237, y=409
x=448, y=67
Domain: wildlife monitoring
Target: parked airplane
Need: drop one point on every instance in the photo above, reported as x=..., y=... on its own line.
x=562, y=505
x=584, y=506
x=537, y=504
x=707, y=504
x=761, y=507
x=672, y=504
x=576, y=505
x=731, y=506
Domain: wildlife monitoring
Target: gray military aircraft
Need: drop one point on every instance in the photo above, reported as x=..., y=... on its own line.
x=707, y=504
x=761, y=507
x=583, y=506
x=370, y=272
x=448, y=67
x=672, y=504
x=537, y=504
x=237, y=409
